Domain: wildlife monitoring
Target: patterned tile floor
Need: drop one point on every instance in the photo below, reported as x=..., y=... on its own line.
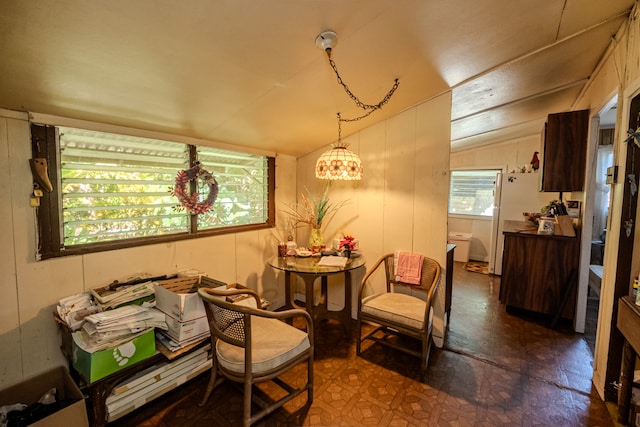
x=496, y=369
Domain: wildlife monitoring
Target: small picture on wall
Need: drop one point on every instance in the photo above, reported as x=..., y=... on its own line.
x=573, y=208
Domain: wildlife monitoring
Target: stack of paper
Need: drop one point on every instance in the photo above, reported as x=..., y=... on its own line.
x=111, y=328
x=333, y=261
x=83, y=340
x=174, y=345
x=115, y=295
x=73, y=310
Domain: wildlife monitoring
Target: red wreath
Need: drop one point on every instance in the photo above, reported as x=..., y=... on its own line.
x=190, y=201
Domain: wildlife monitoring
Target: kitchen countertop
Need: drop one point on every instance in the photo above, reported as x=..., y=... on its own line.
x=527, y=228
x=538, y=271
x=511, y=226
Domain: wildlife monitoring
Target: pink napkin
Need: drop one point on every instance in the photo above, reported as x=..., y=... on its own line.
x=409, y=268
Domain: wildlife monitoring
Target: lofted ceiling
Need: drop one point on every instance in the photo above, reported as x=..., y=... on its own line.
x=249, y=73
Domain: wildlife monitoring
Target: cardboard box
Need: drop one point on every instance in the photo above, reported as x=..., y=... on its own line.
x=179, y=298
x=184, y=331
x=31, y=390
x=564, y=226
x=93, y=366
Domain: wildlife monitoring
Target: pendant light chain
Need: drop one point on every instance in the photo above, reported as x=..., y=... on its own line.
x=339, y=163
x=370, y=107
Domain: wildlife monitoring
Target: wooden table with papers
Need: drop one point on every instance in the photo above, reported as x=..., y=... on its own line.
x=98, y=391
x=311, y=268
x=114, y=352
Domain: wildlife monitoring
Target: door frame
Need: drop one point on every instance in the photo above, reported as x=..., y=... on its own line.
x=618, y=260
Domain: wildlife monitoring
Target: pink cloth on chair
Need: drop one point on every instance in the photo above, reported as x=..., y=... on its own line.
x=409, y=267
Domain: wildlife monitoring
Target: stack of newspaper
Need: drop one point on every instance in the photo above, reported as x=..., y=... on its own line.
x=119, y=293
x=174, y=345
x=74, y=309
x=114, y=327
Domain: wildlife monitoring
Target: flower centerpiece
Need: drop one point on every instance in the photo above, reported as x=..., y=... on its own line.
x=316, y=212
x=348, y=244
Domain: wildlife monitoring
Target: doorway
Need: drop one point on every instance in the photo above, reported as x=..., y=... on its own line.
x=597, y=215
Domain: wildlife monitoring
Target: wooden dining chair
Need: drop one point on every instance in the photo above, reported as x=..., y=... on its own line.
x=399, y=309
x=251, y=345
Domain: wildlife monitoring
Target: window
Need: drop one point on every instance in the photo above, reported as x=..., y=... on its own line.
x=472, y=192
x=242, y=198
x=113, y=191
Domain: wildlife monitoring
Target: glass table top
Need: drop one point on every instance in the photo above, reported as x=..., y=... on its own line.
x=309, y=265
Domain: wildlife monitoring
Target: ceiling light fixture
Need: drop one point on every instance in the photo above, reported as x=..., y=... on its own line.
x=339, y=162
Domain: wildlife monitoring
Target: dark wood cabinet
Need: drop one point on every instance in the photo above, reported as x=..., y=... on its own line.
x=536, y=272
x=565, y=150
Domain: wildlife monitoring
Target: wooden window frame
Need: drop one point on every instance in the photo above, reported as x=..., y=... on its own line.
x=451, y=186
x=50, y=245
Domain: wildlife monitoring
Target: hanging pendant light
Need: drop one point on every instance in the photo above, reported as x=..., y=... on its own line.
x=339, y=163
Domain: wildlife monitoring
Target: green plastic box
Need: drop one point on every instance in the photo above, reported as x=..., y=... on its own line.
x=97, y=365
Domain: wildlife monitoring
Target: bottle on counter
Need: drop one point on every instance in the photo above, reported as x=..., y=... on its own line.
x=291, y=246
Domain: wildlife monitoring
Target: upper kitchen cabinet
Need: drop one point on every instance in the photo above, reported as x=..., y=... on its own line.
x=565, y=150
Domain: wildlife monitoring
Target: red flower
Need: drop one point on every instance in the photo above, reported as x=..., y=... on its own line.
x=348, y=241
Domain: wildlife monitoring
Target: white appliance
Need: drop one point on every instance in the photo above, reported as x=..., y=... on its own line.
x=515, y=193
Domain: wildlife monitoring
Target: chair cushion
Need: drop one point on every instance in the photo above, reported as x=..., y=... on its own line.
x=399, y=308
x=273, y=343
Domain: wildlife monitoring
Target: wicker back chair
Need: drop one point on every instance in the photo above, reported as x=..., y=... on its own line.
x=400, y=309
x=252, y=345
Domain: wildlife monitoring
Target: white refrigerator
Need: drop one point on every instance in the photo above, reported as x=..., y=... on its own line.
x=515, y=193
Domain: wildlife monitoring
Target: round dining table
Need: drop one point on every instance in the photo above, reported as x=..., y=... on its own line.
x=309, y=269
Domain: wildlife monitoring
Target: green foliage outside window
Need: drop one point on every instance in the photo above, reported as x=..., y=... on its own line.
x=116, y=190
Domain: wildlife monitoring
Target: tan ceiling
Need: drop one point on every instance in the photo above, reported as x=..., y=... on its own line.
x=249, y=72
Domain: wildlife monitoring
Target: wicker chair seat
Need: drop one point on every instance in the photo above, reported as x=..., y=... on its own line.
x=405, y=310
x=273, y=343
x=399, y=309
x=252, y=346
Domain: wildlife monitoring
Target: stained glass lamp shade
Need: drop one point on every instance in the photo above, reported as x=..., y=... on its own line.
x=339, y=163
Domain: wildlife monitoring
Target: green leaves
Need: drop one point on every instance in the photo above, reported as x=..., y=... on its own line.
x=315, y=211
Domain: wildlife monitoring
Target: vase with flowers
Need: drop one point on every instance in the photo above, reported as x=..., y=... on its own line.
x=315, y=212
x=316, y=238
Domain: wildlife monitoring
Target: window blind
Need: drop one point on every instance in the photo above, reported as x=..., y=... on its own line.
x=117, y=186
x=472, y=192
x=242, y=188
